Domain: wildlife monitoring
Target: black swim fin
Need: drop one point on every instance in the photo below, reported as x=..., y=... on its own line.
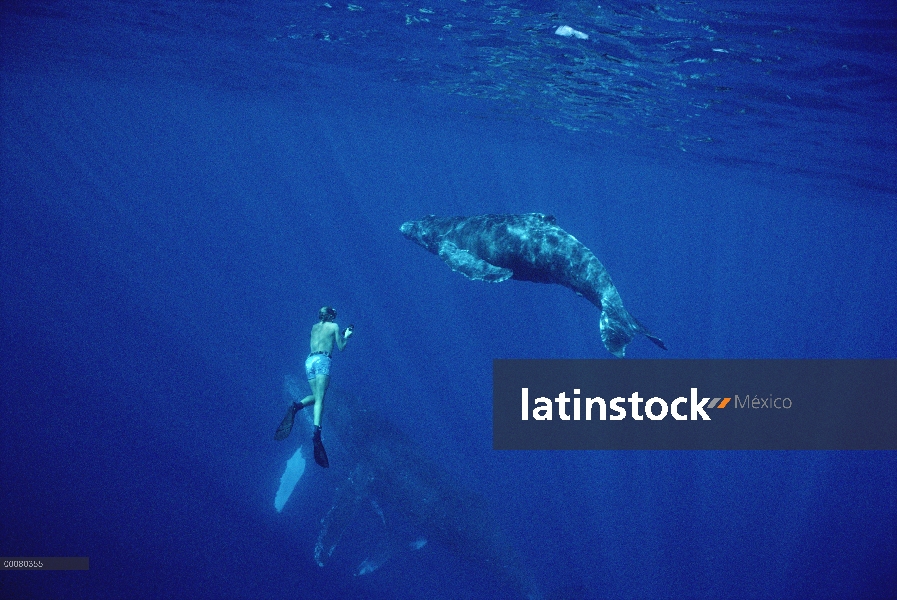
x=320, y=454
x=286, y=426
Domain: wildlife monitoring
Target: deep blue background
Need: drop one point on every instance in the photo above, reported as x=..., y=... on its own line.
x=166, y=242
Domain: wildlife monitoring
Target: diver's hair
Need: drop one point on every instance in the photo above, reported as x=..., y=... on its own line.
x=326, y=314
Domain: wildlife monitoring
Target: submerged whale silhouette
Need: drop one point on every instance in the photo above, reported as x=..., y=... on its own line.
x=421, y=500
x=529, y=247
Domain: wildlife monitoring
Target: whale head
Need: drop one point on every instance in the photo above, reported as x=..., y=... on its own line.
x=424, y=232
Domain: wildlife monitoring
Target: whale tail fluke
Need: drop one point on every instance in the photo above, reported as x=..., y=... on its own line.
x=618, y=328
x=616, y=333
x=654, y=339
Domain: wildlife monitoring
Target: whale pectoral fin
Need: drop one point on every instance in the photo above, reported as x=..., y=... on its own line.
x=470, y=265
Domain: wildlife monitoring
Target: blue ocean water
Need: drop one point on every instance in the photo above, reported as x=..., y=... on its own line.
x=184, y=184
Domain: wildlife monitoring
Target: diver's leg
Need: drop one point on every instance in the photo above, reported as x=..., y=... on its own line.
x=286, y=425
x=319, y=387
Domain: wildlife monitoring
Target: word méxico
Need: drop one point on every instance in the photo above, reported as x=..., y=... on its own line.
x=655, y=408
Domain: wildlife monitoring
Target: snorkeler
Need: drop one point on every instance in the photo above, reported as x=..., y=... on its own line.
x=317, y=368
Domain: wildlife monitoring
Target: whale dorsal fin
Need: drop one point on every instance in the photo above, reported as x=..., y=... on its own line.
x=470, y=265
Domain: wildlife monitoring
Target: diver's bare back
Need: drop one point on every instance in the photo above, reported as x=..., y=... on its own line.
x=323, y=335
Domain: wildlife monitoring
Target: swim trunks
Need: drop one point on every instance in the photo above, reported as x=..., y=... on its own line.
x=317, y=363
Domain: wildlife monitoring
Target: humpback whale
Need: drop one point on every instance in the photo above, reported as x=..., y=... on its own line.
x=414, y=500
x=529, y=247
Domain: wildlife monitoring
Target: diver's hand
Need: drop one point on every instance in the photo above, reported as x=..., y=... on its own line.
x=348, y=332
